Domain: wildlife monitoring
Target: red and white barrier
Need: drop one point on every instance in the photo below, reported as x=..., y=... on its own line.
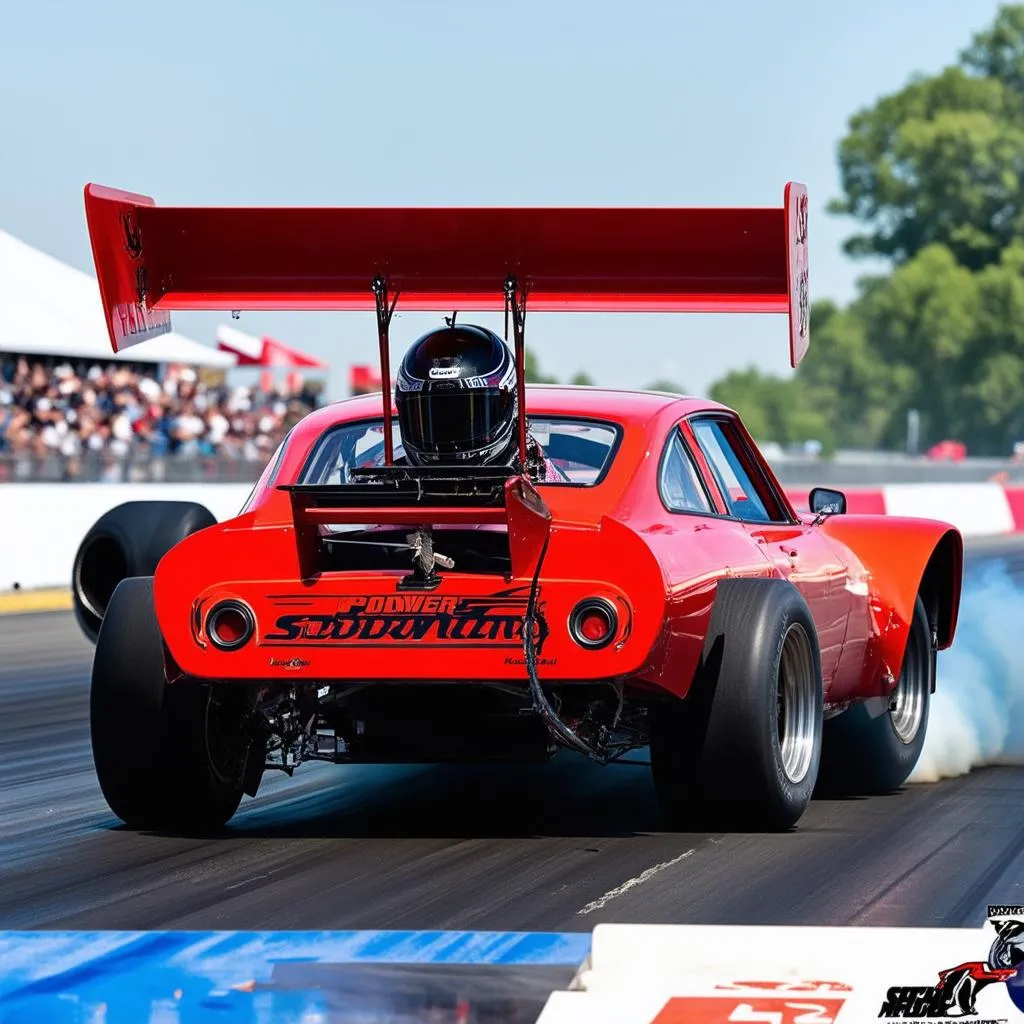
x=707, y=974
x=41, y=525
x=977, y=510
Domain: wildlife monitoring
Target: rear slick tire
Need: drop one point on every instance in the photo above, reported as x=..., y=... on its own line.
x=867, y=756
x=742, y=749
x=127, y=541
x=167, y=757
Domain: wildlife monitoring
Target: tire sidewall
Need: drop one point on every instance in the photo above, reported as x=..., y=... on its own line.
x=726, y=727
x=901, y=756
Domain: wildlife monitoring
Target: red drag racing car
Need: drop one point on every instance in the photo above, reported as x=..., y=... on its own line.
x=662, y=593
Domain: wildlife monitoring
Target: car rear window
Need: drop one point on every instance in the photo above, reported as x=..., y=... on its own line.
x=581, y=450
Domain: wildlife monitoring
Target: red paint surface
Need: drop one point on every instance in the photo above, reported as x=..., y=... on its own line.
x=614, y=540
x=761, y=1009
x=1015, y=499
x=150, y=259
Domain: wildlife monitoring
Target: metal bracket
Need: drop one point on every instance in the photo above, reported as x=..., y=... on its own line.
x=515, y=303
x=379, y=285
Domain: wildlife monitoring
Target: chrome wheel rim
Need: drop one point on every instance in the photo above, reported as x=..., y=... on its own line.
x=797, y=705
x=908, y=701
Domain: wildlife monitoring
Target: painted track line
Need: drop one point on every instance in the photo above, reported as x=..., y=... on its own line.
x=47, y=599
x=632, y=883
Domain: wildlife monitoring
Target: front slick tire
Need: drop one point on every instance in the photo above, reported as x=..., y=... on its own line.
x=167, y=757
x=742, y=750
x=865, y=755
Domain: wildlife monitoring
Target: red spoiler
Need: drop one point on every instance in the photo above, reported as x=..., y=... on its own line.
x=151, y=259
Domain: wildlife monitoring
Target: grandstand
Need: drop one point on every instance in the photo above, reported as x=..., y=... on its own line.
x=163, y=410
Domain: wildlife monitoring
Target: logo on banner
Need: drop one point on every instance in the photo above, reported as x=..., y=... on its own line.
x=759, y=1002
x=956, y=992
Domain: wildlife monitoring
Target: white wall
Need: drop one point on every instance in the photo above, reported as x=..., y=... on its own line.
x=41, y=525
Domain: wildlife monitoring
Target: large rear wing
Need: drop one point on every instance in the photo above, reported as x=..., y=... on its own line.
x=152, y=259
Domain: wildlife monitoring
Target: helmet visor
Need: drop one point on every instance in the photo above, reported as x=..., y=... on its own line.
x=454, y=422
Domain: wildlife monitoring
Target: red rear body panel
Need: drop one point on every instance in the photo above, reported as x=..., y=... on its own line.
x=614, y=540
x=618, y=540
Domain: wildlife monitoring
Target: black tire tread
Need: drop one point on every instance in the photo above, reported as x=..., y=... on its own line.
x=148, y=738
x=709, y=756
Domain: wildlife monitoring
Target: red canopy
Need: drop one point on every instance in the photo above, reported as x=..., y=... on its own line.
x=363, y=380
x=264, y=351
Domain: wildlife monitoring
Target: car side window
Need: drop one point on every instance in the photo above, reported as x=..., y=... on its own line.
x=679, y=482
x=738, y=490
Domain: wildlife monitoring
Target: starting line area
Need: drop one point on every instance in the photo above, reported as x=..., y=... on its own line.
x=647, y=974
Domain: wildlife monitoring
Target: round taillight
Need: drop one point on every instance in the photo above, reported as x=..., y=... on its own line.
x=229, y=625
x=593, y=623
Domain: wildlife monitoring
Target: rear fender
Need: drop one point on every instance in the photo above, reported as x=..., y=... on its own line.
x=899, y=558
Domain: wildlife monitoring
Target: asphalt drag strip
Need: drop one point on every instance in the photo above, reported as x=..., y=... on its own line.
x=559, y=847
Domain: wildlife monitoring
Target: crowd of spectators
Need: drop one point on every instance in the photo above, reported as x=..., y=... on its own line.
x=110, y=416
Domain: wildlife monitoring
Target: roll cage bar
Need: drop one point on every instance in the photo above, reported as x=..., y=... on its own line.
x=515, y=307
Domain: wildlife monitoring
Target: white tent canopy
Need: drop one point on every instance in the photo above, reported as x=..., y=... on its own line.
x=50, y=308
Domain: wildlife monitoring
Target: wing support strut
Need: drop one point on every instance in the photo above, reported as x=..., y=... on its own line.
x=515, y=303
x=384, y=314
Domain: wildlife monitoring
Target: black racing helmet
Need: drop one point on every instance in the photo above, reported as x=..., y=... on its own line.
x=456, y=398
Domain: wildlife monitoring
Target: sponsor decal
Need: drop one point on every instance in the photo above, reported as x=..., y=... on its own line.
x=955, y=993
x=136, y=320
x=289, y=663
x=132, y=236
x=443, y=372
x=766, y=1002
x=494, y=620
x=139, y=322
x=803, y=304
x=801, y=220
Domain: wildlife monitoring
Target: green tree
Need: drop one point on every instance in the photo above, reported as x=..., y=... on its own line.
x=920, y=324
x=998, y=52
x=843, y=378
x=991, y=400
x=664, y=384
x=534, y=374
x=774, y=408
x=934, y=176
x=940, y=161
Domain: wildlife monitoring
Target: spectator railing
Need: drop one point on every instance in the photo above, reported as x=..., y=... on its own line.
x=140, y=465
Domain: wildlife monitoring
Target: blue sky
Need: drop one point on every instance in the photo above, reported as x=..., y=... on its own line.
x=453, y=101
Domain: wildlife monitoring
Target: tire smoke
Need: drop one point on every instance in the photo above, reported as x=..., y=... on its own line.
x=977, y=710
